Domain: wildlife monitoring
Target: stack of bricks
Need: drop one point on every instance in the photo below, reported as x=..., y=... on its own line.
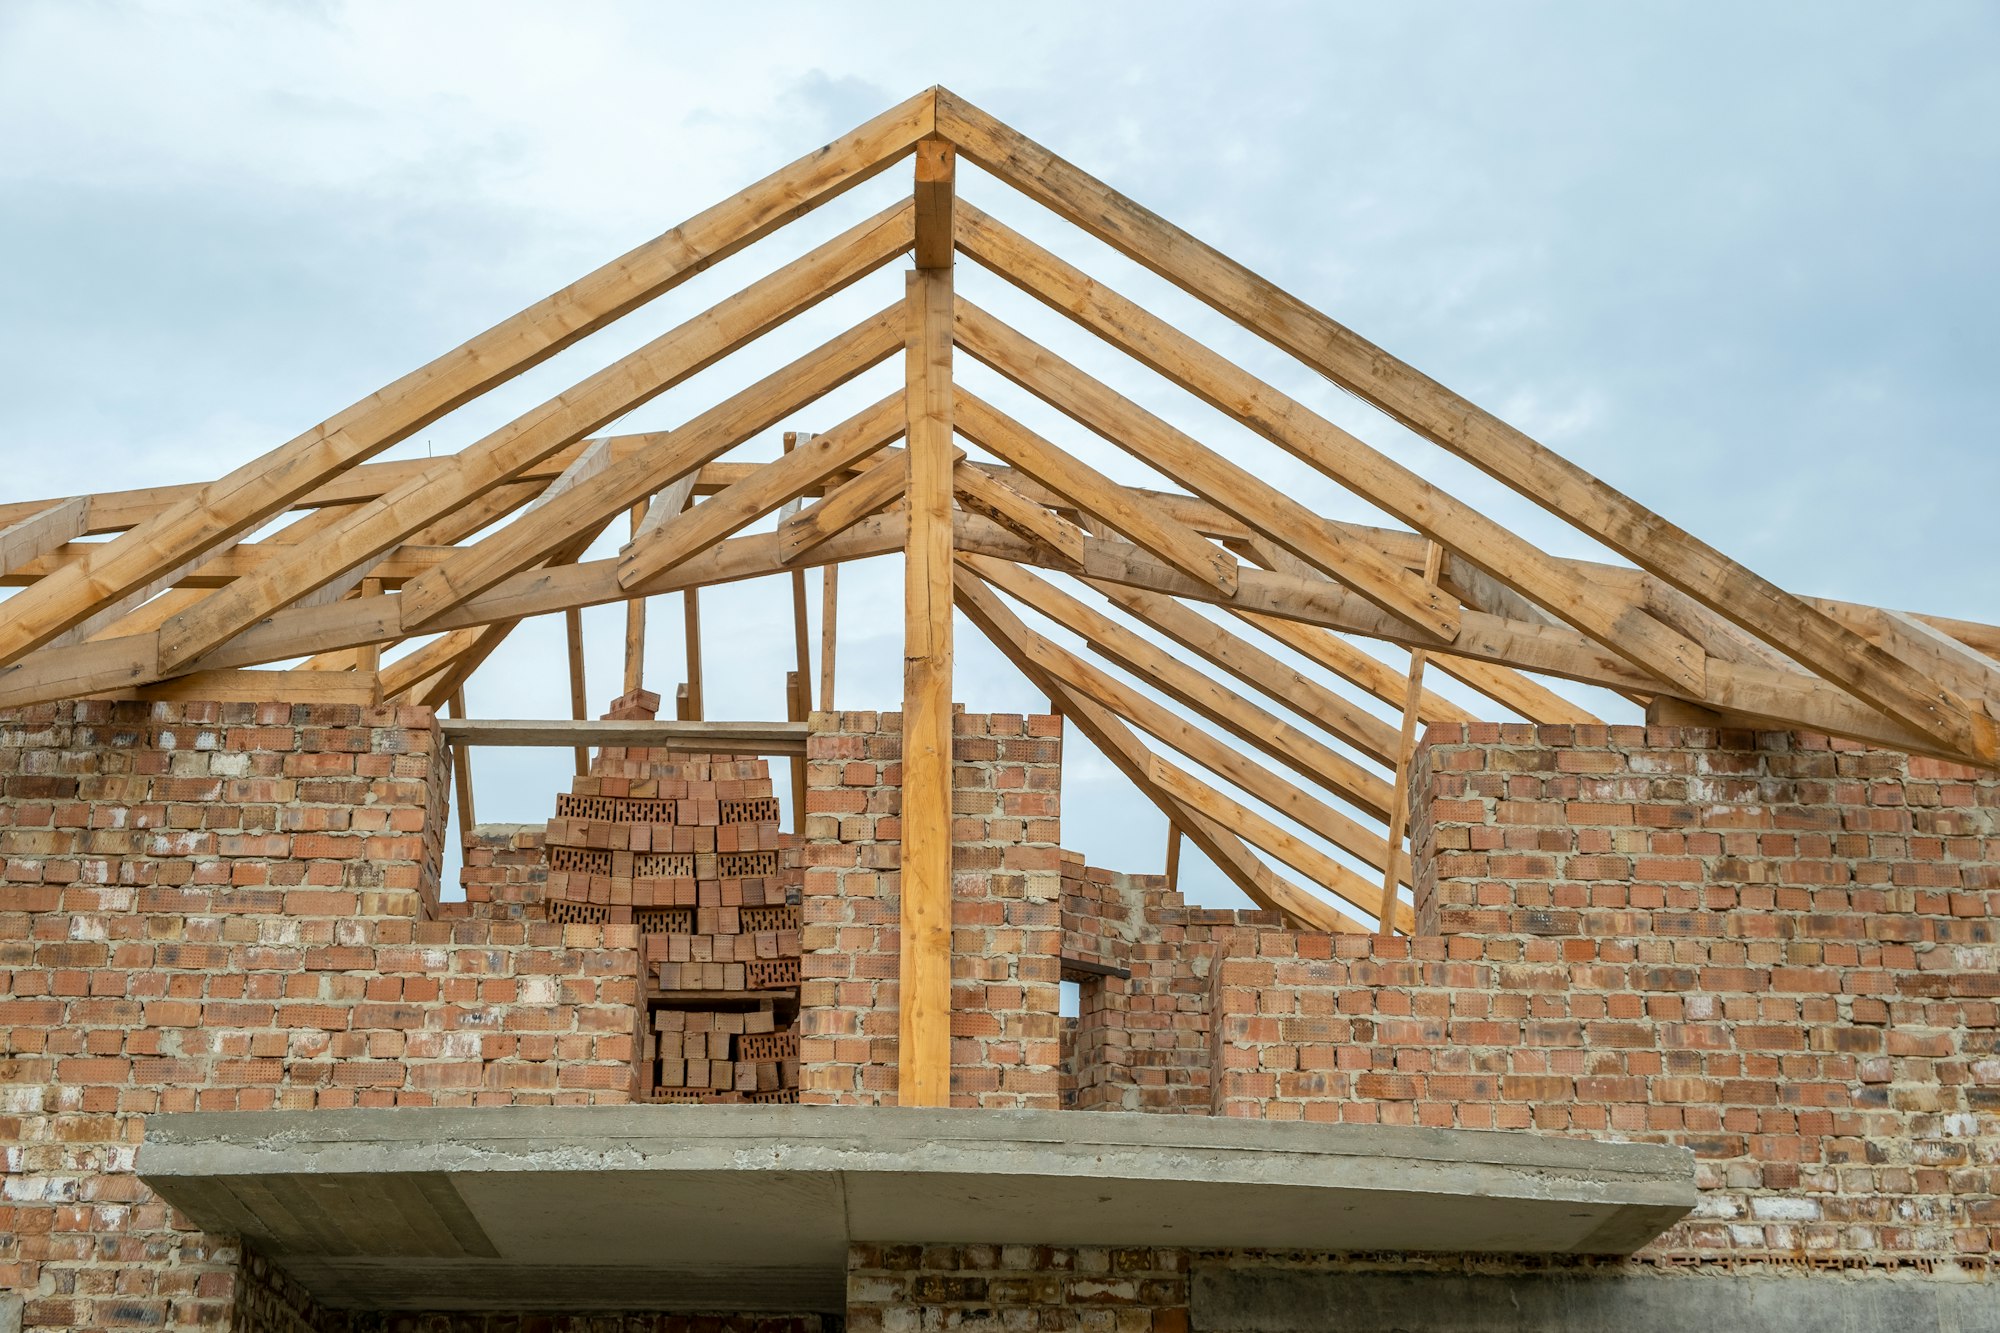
x=1006, y=915
x=687, y=848
x=504, y=872
x=1775, y=949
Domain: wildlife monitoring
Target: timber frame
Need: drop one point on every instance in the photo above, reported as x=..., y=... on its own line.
x=172, y=592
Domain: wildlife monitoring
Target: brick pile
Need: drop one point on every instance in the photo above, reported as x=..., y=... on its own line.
x=687, y=848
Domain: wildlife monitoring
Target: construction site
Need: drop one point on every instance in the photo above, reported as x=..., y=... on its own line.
x=1678, y=1008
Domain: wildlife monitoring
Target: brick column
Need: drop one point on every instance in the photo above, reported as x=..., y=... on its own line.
x=1006, y=925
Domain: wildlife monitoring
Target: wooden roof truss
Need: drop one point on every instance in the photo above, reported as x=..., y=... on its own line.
x=190, y=582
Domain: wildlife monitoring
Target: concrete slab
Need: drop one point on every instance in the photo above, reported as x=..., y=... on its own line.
x=752, y=1208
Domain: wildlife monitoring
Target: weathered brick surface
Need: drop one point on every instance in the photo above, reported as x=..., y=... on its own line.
x=1143, y=1042
x=907, y=1288
x=222, y=907
x=1006, y=776
x=504, y=870
x=1776, y=950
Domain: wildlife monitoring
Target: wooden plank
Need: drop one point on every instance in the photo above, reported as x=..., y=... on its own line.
x=1090, y=490
x=579, y=695
x=461, y=771
x=115, y=663
x=1455, y=423
x=1254, y=726
x=1258, y=669
x=923, y=1076
x=753, y=738
x=1741, y=687
x=304, y=687
x=936, y=189
x=1612, y=619
x=253, y=492
x=1261, y=833
x=1081, y=679
x=829, y=606
x=39, y=533
x=1234, y=489
x=875, y=488
x=1406, y=753
x=635, y=625
x=762, y=492
x=691, y=637
x=1350, y=663
x=704, y=437
x=1116, y=741
x=375, y=527
x=1016, y=512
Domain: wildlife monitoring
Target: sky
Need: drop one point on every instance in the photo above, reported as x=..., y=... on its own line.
x=1735, y=259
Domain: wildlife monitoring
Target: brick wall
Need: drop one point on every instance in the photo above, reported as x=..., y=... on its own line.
x=904, y=1288
x=1775, y=949
x=1143, y=1042
x=504, y=871
x=1006, y=778
x=222, y=907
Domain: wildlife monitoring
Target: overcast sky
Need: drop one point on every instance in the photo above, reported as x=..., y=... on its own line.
x=1736, y=259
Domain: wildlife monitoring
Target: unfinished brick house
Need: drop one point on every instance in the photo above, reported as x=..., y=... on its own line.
x=1689, y=1015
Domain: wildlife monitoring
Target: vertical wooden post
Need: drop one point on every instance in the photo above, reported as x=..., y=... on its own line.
x=579, y=695
x=635, y=623
x=1173, y=858
x=368, y=657
x=1399, y=803
x=690, y=695
x=461, y=774
x=924, y=1048
x=829, y=602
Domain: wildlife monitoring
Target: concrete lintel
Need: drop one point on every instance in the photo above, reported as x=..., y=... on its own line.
x=682, y=1206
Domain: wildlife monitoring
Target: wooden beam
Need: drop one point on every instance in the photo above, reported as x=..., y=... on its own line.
x=635, y=625
x=1254, y=726
x=1261, y=833
x=691, y=637
x=1234, y=489
x=579, y=695
x=253, y=492
x=1350, y=663
x=1116, y=741
x=1613, y=620
x=762, y=492
x=758, y=738
x=882, y=483
x=117, y=663
x=461, y=773
x=924, y=1044
x=1017, y=513
x=38, y=534
x=935, y=192
x=1256, y=668
x=1172, y=874
x=1092, y=491
x=377, y=526
x=1080, y=679
x=263, y=687
x=1741, y=687
x=1455, y=423
x=1406, y=752
x=703, y=438
x=829, y=606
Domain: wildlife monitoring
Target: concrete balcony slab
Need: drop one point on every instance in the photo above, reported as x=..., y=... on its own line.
x=752, y=1208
